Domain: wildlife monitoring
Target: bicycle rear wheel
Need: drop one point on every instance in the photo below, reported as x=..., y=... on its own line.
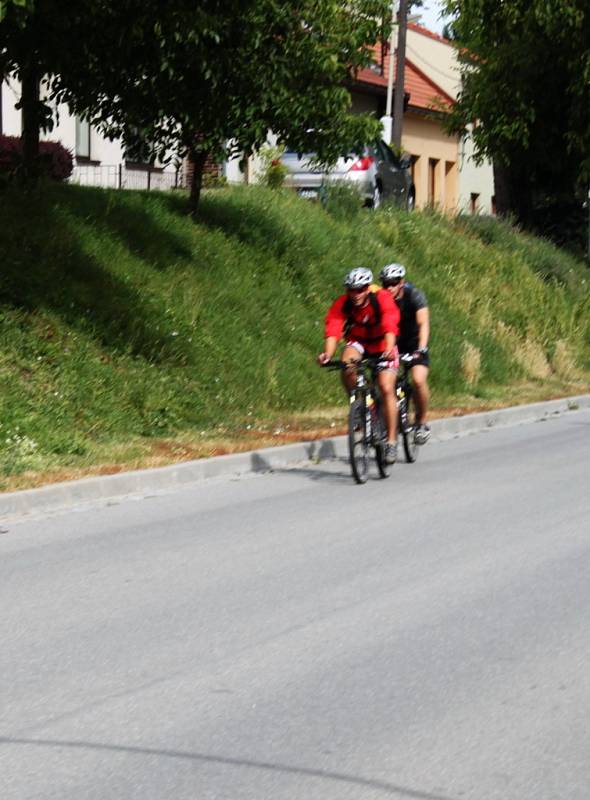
x=358, y=446
x=407, y=415
x=380, y=443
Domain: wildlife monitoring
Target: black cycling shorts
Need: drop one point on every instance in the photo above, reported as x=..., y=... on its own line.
x=423, y=360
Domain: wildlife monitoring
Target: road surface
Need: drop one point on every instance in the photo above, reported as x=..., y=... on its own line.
x=293, y=636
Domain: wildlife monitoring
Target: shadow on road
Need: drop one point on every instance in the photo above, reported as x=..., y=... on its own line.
x=316, y=453
x=382, y=786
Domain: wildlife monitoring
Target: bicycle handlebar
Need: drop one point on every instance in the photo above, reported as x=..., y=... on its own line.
x=370, y=361
x=335, y=364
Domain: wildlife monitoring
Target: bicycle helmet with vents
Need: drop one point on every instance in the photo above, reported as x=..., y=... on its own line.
x=358, y=278
x=392, y=273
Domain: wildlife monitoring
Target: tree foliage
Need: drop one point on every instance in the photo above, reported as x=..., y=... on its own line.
x=192, y=77
x=526, y=81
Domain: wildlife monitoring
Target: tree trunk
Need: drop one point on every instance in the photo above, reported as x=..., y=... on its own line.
x=197, y=159
x=513, y=190
x=31, y=122
x=502, y=190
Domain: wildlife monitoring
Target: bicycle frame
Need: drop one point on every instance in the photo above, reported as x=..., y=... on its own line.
x=404, y=393
x=366, y=426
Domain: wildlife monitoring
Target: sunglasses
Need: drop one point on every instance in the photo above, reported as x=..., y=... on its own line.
x=357, y=289
x=394, y=282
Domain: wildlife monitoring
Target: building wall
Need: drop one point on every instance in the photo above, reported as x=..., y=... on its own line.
x=435, y=162
x=11, y=125
x=477, y=182
x=438, y=59
x=64, y=131
x=105, y=164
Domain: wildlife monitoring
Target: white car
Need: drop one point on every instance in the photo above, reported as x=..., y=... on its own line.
x=378, y=174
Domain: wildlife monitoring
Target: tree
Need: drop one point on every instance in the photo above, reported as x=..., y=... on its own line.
x=216, y=83
x=194, y=76
x=526, y=81
x=20, y=53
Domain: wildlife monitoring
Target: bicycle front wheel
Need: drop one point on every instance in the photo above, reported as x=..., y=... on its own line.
x=380, y=443
x=407, y=429
x=358, y=446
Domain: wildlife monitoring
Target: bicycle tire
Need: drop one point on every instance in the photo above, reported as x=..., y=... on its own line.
x=408, y=429
x=380, y=443
x=358, y=446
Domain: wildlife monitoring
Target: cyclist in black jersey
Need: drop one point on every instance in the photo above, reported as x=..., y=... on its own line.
x=413, y=337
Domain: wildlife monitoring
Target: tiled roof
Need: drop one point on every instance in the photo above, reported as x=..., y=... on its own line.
x=424, y=93
x=413, y=26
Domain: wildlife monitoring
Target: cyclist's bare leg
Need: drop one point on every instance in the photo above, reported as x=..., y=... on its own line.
x=386, y=381
x=349, y=375
x=421, y=393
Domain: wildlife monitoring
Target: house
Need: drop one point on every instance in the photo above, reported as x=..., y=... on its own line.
x=443, y=169
x=437, y=58
x=97, y=160
x=434, y=153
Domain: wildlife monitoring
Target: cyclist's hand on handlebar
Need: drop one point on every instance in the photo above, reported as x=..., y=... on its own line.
x=323, y=358
x=389, y=355
x=417, y=354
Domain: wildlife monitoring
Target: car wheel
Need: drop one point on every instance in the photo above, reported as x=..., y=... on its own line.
x=377, y=196
x=410, y=202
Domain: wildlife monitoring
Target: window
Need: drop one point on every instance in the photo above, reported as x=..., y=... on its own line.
x=82, y=138
x=432, y=181
x=474, y=203
x=138, y=150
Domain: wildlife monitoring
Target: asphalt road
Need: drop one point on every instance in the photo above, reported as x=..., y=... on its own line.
x=295, y=637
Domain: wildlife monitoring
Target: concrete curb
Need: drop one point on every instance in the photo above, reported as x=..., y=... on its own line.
x=90, y=490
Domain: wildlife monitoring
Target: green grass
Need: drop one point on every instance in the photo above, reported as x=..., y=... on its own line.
x=123, y=322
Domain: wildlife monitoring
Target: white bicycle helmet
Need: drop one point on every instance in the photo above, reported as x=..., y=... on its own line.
x=358, y=278
x=392, y=273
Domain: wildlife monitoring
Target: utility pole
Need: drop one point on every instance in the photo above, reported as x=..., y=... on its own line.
x=398, y=100
x=386, y=120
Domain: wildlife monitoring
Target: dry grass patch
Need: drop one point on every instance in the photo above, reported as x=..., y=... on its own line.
x=470, y=363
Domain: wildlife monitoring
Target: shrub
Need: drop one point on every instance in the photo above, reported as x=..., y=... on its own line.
x=55, y=160
x=214, y=181
x=341, y=199
x=273, y=172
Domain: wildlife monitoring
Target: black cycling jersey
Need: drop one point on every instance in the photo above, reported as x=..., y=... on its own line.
x=411, y=301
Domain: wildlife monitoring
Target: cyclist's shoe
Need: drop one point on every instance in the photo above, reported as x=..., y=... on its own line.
x=422, y=434
x=390, y=453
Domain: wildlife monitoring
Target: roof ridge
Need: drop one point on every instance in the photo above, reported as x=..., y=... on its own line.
x=413, y=26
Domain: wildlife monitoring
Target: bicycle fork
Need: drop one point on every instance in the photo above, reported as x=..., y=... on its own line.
x=402, y=404
x=361, y=393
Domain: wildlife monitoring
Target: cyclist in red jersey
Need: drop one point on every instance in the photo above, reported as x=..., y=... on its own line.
x=369, y=323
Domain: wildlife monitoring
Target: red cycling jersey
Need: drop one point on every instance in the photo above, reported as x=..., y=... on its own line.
x=361, y=323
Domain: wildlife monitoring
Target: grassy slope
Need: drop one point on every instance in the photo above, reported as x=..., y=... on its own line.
x=128, y=331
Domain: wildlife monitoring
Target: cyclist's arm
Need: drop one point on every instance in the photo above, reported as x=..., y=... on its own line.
x=389, y=339
x=390, y=321
x=330, y=346
x=334, y=323
x=423, y=322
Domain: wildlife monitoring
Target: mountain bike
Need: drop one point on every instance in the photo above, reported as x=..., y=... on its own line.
x=366, y=423
x=406, y=407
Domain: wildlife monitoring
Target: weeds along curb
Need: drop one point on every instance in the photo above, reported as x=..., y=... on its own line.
x=101, y=489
